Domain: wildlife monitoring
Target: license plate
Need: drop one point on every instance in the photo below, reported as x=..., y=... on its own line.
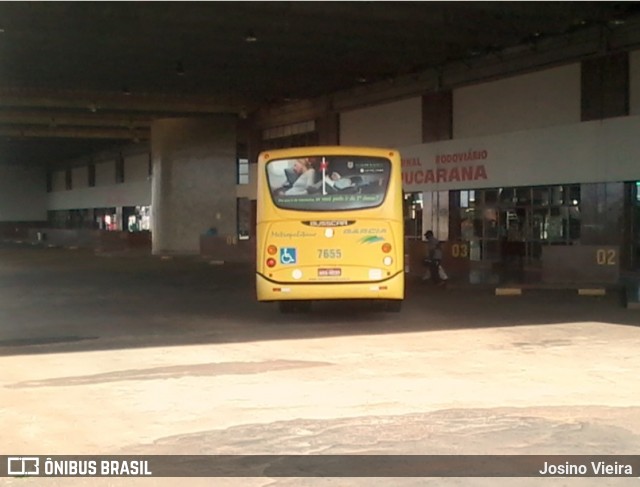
x=329, y=272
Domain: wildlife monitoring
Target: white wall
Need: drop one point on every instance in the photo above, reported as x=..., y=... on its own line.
x=23, y=192
x=135, y=191
x=599, y=151
x=525, y=102
x=124, y=194
x=393, y=124
x=634, y=83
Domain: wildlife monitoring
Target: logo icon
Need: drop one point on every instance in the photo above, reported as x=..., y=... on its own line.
x=288, y=255
x=20, y=466
x=371, y=239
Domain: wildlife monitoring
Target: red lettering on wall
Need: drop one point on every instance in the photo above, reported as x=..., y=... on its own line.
x=429, y=176
x=468, y=156
x=411, y=162
x=445, y=175
x=481, y=173
x=467, y=173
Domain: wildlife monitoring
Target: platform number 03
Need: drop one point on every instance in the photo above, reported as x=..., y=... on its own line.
x=460, y=250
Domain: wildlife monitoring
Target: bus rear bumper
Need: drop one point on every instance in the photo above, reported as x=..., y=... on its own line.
x=392, y=288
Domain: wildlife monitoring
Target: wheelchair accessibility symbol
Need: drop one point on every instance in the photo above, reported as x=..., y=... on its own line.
x=288, y=255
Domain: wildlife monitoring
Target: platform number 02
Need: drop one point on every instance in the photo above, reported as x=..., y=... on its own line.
x=606, y=257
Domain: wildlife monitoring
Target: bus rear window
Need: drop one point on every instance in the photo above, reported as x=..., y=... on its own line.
x=328, y=183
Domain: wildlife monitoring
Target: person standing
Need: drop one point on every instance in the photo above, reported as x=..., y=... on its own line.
x=434, y=259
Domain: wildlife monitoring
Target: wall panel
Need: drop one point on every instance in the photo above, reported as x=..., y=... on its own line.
x=80, y=177
x=605, y=87
x=437, y=116
x=525, y=102
x=390, y=125
x=105, y=173
x=124, y=194
x=136, y=168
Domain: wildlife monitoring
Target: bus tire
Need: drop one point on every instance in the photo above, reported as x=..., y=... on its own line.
x=393, y=305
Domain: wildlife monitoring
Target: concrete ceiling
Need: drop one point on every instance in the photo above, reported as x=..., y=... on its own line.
x=81, y=76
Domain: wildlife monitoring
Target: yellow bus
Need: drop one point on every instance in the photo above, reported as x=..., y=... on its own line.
x=329, y=226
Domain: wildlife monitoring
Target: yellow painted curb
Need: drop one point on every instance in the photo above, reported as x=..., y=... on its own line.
x=508, y=291
x=592, y=292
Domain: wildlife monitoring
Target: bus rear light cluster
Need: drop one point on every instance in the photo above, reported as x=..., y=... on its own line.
x=271, y=262
x=386, y=247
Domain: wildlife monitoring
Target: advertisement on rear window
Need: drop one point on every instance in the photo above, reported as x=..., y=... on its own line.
x=328, y=182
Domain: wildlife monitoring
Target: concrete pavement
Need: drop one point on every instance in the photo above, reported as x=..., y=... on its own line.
x=140, y=356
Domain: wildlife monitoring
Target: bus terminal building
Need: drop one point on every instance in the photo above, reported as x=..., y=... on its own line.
x=527, y=167
x=555, y=204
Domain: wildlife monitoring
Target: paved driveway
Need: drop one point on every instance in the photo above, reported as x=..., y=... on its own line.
x=135, y=355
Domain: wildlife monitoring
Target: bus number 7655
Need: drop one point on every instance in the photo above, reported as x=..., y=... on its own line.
x=329, y=254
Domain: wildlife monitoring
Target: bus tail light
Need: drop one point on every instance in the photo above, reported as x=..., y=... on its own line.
x=272, y=250
x=386, y=247
x=271, y=262
x=387, y=260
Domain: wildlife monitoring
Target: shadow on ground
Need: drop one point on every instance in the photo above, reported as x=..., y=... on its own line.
x=58, y=300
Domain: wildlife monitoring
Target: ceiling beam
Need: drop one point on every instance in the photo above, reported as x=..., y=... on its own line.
x=93, y=102
x=74, y=132
x=55, y=118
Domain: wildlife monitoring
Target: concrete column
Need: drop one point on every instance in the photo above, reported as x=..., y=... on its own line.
x=23, y=192
x=328, y=127
x=120, y=223
x=435, y=213
x=194, y=181
x=437, y=116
